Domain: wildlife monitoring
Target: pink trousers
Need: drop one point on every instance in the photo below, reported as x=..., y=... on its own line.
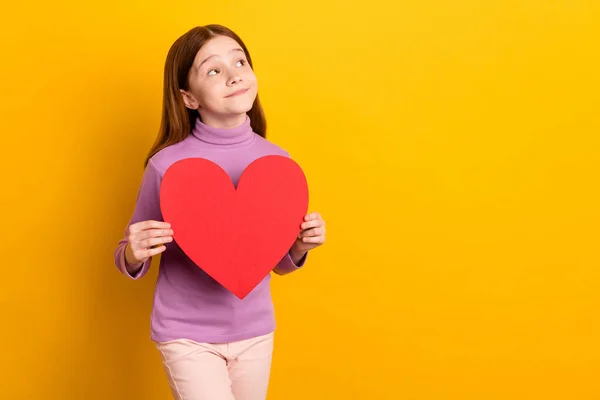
x=225, y=371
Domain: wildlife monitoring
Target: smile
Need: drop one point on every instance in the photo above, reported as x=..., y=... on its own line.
x=239, y=92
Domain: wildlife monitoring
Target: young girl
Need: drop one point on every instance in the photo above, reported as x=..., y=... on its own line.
x=213, y=345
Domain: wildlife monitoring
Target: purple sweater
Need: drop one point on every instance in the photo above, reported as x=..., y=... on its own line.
x=188, y=303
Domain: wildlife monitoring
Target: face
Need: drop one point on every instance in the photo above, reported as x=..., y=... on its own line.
x=222, y=85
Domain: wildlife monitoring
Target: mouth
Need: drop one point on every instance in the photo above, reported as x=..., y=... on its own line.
x=237, y=93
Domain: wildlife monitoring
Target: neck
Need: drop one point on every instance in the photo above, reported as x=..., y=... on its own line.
x=224, y=133
x=221, y=121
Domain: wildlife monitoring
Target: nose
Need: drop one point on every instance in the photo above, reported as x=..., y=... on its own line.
x=234, y=78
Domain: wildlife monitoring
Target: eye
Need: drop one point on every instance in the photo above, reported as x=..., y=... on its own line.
x=242, y=62
x=215, y=70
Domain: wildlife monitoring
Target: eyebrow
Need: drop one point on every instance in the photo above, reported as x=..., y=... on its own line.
x=214, y=55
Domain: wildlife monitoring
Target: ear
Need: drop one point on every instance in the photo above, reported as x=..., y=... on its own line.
x=189, y=100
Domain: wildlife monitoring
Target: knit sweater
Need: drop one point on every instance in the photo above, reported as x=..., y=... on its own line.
x=188, y=303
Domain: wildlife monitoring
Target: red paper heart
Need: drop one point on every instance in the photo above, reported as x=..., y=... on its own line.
x=236, y=235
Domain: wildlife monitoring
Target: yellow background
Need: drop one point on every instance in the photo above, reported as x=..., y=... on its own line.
x=452, y=147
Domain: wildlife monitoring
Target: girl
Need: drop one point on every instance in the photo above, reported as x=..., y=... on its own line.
x=213, y=345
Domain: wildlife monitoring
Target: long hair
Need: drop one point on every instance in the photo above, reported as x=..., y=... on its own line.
x=177, y=120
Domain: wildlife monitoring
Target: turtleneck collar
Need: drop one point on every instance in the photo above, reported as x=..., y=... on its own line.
x=240, y=135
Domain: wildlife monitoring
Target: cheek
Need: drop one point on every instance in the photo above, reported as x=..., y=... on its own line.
x=251, y=80
x=250, y=77
x=208, y=93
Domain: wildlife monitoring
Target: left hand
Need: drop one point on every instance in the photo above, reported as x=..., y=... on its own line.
x=312, y=235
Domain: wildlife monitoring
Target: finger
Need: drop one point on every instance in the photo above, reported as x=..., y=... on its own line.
x=311, y=216
x=155, y=241
x=150, y=233
x=139, y=240
x=311, y=224
x=314, y=239
x=150, y=224
x=320, y=231
x=144, y=254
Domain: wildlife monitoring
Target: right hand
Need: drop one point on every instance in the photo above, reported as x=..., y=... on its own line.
x=146, y=239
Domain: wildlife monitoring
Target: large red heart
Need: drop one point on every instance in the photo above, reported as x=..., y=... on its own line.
x=236, y=235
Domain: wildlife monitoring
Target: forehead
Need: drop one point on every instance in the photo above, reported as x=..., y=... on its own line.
x=218, y=45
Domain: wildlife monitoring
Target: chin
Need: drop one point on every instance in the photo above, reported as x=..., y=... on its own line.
x=235, y=110
x=240, y=108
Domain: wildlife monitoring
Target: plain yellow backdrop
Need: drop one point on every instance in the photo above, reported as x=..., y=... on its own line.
x=451, y=146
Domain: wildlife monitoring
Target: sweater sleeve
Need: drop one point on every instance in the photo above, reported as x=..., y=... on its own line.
x=287, y=265
x=147, y=207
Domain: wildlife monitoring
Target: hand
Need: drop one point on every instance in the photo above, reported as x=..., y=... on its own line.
x=145, y=240
x=312, y=235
